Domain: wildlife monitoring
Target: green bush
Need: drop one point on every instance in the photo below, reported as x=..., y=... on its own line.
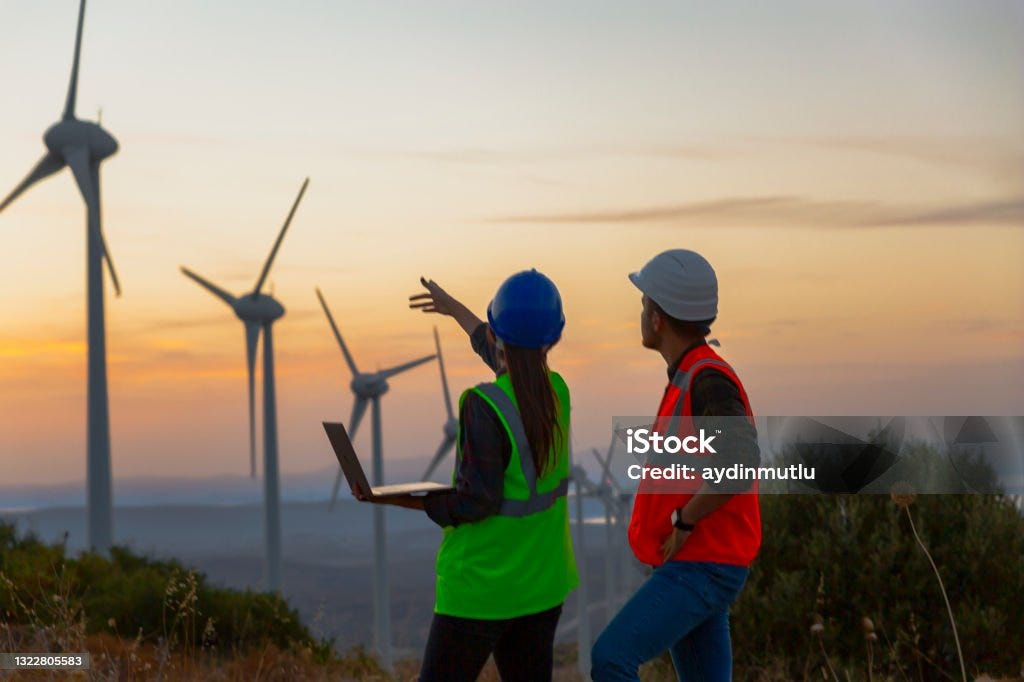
x=138, y=597
x=839, y=559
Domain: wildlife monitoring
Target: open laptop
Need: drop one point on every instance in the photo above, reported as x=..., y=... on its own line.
x=353, y=470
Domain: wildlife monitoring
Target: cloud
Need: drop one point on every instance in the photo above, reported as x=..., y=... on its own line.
x=32, y=347
x=488, y=156
x=759, y=211
x=327, y=269
x=991, y=326
x=698, y=152
x=521, y=164
x=993, y=156
x=730, y=206
x=1008, y=212
x=177, y=323
x=473, y=156
x=225, y=320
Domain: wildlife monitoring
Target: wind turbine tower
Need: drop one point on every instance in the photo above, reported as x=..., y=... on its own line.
x=82, y=146
x=369, y=388
x=451, y=425
x=258, y=312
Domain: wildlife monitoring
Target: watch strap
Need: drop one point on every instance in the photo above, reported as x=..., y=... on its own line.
x=677, y=521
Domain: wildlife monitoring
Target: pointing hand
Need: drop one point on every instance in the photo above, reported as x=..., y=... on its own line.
x=436, y=300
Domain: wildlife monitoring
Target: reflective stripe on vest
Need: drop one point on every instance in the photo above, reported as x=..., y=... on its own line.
x=682, y=381
x=729, y=535
x=537, y=502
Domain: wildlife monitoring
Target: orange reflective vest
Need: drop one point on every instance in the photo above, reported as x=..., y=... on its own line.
x=729, y=535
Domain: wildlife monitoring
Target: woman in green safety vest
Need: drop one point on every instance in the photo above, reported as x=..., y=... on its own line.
x=506, y=563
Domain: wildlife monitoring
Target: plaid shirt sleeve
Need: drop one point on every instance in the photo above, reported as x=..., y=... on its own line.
x=480, y=479
x=714, y=396
x=483, y=347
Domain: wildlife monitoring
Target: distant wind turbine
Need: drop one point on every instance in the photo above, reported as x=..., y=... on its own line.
x=82, y=146
x=451, y=426
x=369, y=387
x=258, y=312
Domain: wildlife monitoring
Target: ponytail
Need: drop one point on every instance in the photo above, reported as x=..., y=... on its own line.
x=538, y=404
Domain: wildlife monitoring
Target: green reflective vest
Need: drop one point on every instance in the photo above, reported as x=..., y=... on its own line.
x=519, y=561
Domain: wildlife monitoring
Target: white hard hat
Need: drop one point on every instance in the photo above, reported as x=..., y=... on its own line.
x=682, y=282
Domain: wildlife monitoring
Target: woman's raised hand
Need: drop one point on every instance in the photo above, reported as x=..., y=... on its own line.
x=436, y=300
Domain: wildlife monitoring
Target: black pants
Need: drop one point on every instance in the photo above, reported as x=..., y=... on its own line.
x=457, y=648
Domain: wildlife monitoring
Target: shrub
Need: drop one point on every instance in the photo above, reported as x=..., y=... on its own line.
x=839, y=559
x=138, y=597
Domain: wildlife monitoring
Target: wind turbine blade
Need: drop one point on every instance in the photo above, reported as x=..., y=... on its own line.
x=388, y=373
x=446, y=445
x=252, y=336
x=341, y=342
x=277, y=244
x=77, y=159
x=87, y=179
x=444, y=377
x=94, y=169
x=597, y=456
x=110, y=265
x=606, y=472
x=69, y=105
x=358, y=410
x=87, y=176
x=334, y=490
x=209, y=286
x=47, y=166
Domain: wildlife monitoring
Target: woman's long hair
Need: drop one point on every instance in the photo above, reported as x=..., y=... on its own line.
x=538, y=404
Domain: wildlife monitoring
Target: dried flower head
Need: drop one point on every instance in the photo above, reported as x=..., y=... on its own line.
x=902, y=493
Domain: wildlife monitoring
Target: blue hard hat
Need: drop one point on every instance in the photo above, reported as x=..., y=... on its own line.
x=527, y=310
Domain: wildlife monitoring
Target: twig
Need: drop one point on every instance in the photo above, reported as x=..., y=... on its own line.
x=942, y=588
x=932, y=663
x=894, y=654
x=827, y=662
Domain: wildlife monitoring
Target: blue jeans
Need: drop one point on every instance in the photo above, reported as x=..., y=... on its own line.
x=683, y=607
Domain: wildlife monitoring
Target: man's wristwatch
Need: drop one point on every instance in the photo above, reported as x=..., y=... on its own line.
x=677, y=521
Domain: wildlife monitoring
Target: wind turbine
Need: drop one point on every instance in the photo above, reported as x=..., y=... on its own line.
x=583, y=636
x=614, y=502
x=258, y=312
x=82, y=146
x=369, y=387
x=451, y=426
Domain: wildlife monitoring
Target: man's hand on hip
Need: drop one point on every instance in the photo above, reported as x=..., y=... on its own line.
x=673, y=542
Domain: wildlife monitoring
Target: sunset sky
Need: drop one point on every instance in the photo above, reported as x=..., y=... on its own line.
x=854, y=171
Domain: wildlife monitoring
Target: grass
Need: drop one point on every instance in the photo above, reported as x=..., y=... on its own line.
x=844, y=589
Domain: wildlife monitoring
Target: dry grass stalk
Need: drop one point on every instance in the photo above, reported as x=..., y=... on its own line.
x=903, y=495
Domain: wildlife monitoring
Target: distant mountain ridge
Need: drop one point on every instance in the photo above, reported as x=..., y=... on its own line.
x=311, y=486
